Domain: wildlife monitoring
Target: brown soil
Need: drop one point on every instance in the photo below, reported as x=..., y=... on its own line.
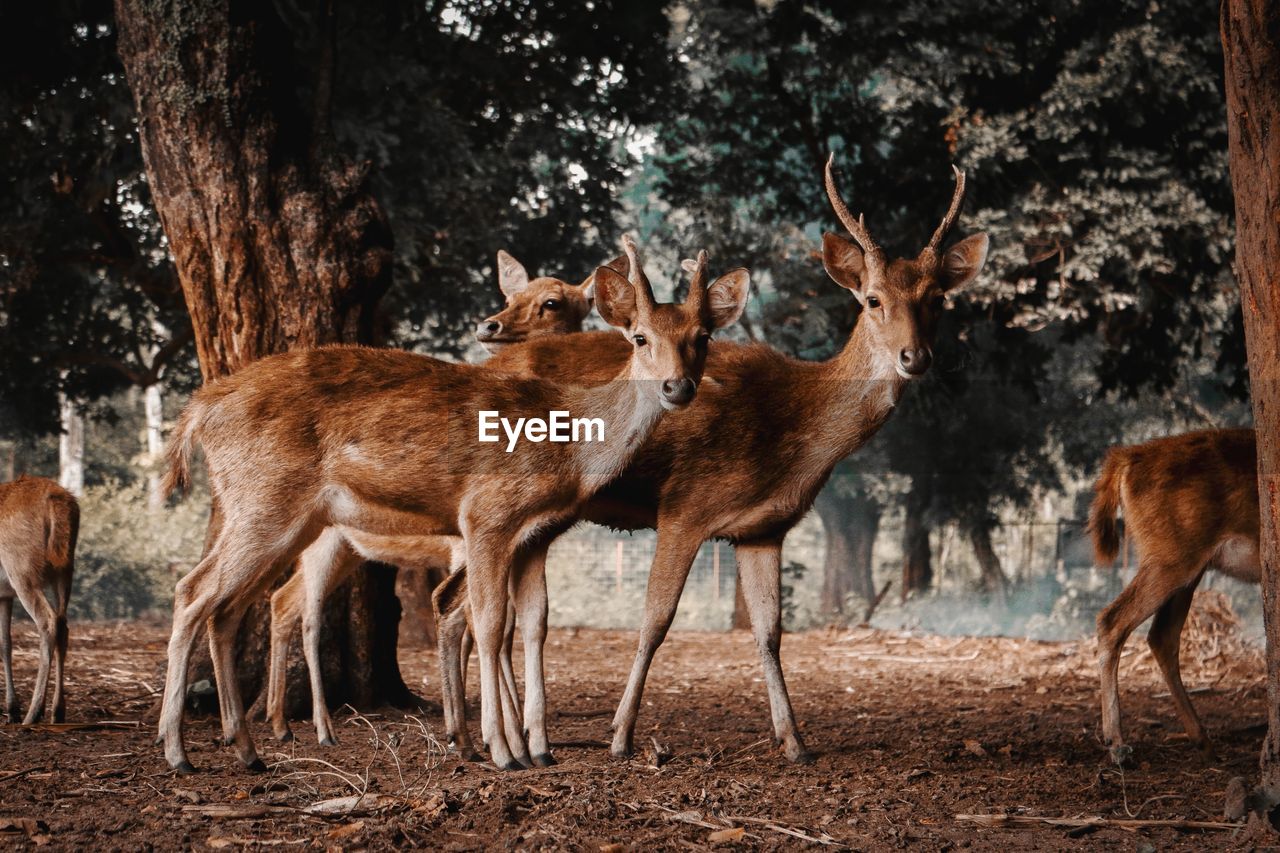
x=910, y=732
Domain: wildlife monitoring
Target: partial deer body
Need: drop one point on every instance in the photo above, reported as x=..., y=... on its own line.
x=39, y=524
x=1190, y=505
x=746, y=463
x=383, y=442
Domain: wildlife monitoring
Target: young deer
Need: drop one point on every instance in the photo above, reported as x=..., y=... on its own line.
x=539, y=307
x=791, y=421
x=1190, y=504
x=384, y=443
x=39, y=523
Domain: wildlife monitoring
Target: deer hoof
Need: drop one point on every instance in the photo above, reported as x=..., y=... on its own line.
x=803, y=756
x=184, y=768
x=475, y=757
x=256, y=766
x=1122, y=755
x=513, y=765
x=544, y=760
x=328, y=740
x=286, y=736
x=59, y=715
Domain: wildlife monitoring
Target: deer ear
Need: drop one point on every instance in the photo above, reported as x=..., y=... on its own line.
x=689, y=265
x=727, y=297
x=963, y=261
x=844, y=262
x=512, y=277
x=619, y=264
x=615, y=298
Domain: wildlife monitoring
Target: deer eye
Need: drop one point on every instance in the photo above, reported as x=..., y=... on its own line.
x=873, y=302
x=639, y=340
x=552, y=304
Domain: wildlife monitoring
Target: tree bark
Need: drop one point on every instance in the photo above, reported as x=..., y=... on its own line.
x=850, y=524
x=917, y=564
x=278, y=244
x=1251, y=52
x=992, y=578
x=70, y=446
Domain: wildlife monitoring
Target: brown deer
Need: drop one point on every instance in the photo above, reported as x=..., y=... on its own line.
x=539, y=307
x=1190, y=505
x=39, y=523
x=746, y=463
x=388, y=443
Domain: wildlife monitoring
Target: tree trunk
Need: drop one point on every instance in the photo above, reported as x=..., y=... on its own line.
x=992, y=578
x=917, y=566
x=850, y=524
x=1251, y=50
x=153, y=411
x=70, y=446
x=278, y=244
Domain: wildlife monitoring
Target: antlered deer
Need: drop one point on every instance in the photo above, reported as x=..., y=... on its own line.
x=1190, y=504
x=39, y=523
x=382, y=442
x=746, y=463
x=535, y=308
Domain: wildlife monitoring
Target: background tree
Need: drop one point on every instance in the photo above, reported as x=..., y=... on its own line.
x=1251, y=49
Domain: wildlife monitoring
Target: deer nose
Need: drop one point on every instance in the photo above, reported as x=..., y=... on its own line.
x=488, y=329
x=915, y=361
x=679, y=392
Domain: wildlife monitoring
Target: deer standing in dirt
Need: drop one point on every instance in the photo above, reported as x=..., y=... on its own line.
x=39, y=523
x=1190, y=505
x=385, y=443
x=746, y=463
x=537, y=307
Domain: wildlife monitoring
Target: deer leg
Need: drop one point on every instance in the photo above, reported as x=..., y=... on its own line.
x=531, y=602
x=488, y=565
x=325, y=564
x=508, y=641
x=27, y=585
x=222, y=628
x=286, y=613
x=760, y=564
x=452, y=635
x=63, y=590
x=1149, y=589
x=1163, y=638
x=671, y=563
x=11, y=710
x=193, y=600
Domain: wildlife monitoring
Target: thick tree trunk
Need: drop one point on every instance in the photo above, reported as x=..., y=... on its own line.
x=850, y=524
x=992, y=578
x=1251, y=49
x=278, y=244
x=153, y=411
x=917, y=563
x=70, y=446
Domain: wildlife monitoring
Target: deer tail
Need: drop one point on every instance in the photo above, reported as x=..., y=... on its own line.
x=64, y=528
x=178, y=453
x=1102, y=513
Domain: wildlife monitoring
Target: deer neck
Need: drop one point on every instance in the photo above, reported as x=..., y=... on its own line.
x=630, y=409
x=856, y=393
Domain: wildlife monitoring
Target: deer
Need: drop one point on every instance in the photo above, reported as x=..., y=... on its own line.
x=791, y=422
x=542, y=306
x=384, y=443
x=39, y=525
x=1190, y=505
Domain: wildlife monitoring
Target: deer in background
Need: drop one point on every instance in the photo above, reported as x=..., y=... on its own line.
x=1190, y=505
x=383, y=442
x=543, y=306
x=746, y=463
x=39, y=524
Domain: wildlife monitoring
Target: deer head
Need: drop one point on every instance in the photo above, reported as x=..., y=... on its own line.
x=903, y=298
x=670, y=340
x=537, y=307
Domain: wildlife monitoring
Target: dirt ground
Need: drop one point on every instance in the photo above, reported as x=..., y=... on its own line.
x=910, y=732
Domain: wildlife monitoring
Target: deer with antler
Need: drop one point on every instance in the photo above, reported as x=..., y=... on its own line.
x=384, y=443
x=535, y=307
x=790, y=422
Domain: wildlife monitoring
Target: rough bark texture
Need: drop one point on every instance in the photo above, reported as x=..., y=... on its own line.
x=850, y=524
x=278, y=244
x=1251, y=50
x=992, y=578
x=917, y=562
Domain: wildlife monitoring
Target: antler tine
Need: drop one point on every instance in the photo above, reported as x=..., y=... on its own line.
x=856, y=227
x=698, y=284
x=639, y=281
x=953, y=212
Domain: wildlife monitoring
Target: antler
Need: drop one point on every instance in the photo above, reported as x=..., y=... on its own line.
x=856, y=227
x=639, y=281
x=953, y=212
x=698, y=284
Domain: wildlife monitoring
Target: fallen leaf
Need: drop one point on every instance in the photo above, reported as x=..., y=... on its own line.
x=188, y=795
x=354, y=804
x=613, y=847
x=25, y=825
x=345, y=830
x=976, y=748
x=734, y=833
